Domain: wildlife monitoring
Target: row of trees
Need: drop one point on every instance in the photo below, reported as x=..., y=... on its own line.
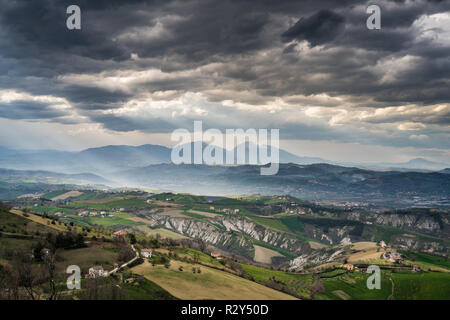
x=25, y=279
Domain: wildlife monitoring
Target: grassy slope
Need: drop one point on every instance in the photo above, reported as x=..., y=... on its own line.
x=40, y=220
x=209, y=284
x=51, y=209
x=427, y=285
x=354, y=286
x=164, y=233
x=296, y=282
x=204, y=258
x=427, y=260
x=124, y=203
x=271, y=223
x=110, y=221
x=146, y=290
x=86, y=258
x=15, y=223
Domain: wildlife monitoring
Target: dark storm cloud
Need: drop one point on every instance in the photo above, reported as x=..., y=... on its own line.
x=125, y=124
x=246, y=51
x=93, y=95
x=320, y=28
x=29, y=110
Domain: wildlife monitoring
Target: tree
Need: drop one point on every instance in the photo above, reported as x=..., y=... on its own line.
x=196, y=257
x=37, y=251
x=132, y=238
x=50, y=267
x=27, y=277
x=317, y=287
x=126, y=254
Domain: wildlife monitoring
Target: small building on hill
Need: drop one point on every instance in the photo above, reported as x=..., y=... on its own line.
x=146, y=253
x=97, y=272
x=217, y=255
x=83, y=213
x=119, y=234
x=129, y=280
x=348, y=266
x=392, y=256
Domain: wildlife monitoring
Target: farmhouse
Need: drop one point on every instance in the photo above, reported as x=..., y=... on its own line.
x=97, y=272
x=146, y=253
x=392, y=256
x=119, y=233
x=83, y=213
x=217, y=255
x=348, y=266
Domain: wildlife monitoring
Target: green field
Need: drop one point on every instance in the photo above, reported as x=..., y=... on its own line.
x=16, y=224
x=123, y=215
x=295, y=282
x=194, y=215
x=426, y=260
x=123, y=203
x=8, y=246
x=202, y=257
x=50, y=209
x=87, y=195
x=270, y=223
x=52, y=194
x=110, y=221
x=354, y=286
x=183, y=198
x=423, y=286
x=13, y=223
x=86, y=258
x=164, y=233
x=268, y=246
x=293, y=223
x=145, y=290
x=205, y=208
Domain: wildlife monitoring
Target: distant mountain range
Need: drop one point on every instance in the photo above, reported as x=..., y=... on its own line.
x=311, y=182
x=417, y=163
x=40, y=176
x=321, y=182
x=108, y=159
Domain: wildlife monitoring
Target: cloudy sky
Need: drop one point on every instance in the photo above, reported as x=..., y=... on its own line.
x=137, y=70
